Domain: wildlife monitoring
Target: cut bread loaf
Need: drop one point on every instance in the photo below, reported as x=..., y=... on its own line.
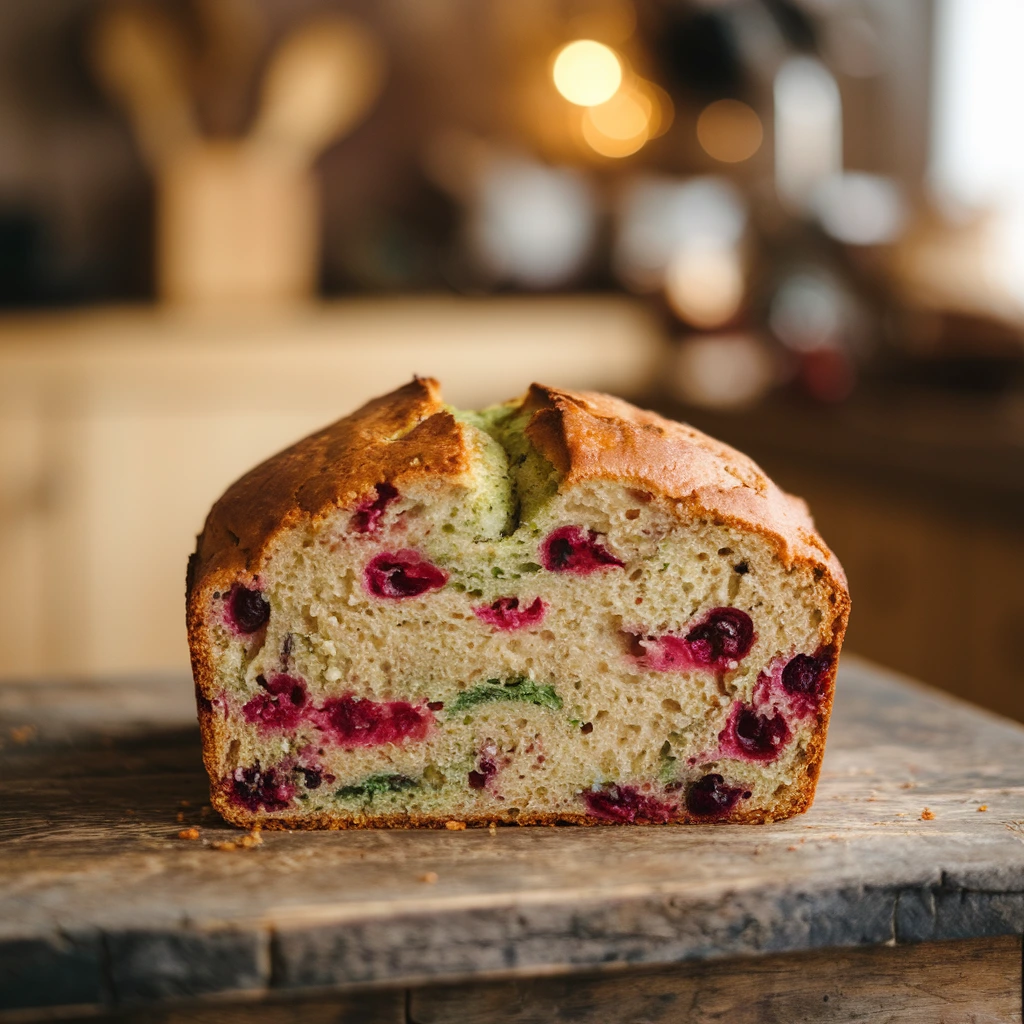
x=561, y=609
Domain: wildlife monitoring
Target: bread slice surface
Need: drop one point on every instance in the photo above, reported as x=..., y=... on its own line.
x=561, y=609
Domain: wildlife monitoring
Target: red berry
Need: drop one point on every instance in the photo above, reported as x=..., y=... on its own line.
x=255, y=788
x=367, y=516
x=757, y=736
x=725, y=634
x=505, y=613
x=572, y=549
x=710, y=797
x=367, y=723
x=281, y=705
x=402, y=574
x=626, y=804
x=248, y=610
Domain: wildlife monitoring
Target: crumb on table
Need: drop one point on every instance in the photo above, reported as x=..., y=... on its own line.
x=189, y=833
x=430, y=877
x=927, y=815
x=246, y=842
x=455, y=826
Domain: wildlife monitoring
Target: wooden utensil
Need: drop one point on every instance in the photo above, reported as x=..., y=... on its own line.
x=139, y=55
x=321, y=82
x=237, y=220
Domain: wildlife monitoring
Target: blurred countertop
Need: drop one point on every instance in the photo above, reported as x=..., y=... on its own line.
x=483, y=350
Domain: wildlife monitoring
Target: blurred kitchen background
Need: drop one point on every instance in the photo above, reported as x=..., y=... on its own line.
x=797, y=224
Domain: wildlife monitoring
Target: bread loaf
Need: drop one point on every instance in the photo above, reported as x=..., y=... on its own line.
x=561, y=609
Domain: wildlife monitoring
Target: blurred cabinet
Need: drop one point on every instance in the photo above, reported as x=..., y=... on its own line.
x=118, y=429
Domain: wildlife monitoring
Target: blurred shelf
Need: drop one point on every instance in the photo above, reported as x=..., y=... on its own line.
x=965, y=453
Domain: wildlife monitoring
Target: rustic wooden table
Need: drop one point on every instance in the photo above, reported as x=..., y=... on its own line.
x=899, y=896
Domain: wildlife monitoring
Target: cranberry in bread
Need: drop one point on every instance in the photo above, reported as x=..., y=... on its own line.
x=561, y=609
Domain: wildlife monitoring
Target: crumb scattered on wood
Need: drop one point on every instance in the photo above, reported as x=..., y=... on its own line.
x=184, y=803
x=791, y=848
x=246, y=842
x=927, y=815
x=189, y=833
x=493, y=828
x=22, y=734
x=907, y=785
x=430, y=877
x=181, y=815
x=983, y=807
x=455, y=826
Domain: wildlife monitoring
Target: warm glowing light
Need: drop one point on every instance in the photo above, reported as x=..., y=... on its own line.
x=704, y=285
x=729, y=131
x=619, y=126
x=607, y=145
x=625, y=116
x=587, y=72
x=662, y=112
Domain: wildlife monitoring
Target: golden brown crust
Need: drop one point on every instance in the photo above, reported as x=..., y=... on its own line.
x=404, y=435
x=408, y=435
x=590, y=436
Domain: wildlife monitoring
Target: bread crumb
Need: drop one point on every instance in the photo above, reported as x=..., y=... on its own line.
x=455, y=826
x=252, y=839
x=983, y=807
x=430, y=877
x=189, y=833
x=184, y=803
x=907, y=785
x=181, y=815
x=493, y=828
x=246, y=842
x=791, y=848
x=927, y=815
x=22, y=734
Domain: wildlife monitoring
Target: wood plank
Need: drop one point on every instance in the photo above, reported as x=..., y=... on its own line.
x=933, y=983
x=92, y=870
x=355, y=1008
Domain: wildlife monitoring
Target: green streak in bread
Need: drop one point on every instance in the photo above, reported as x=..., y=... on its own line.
x=375, y=785
x=532, y=480
x=515, y=689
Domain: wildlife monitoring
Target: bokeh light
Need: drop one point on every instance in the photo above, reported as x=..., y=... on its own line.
x=729, y=131
x=704, y=285
x=587, y=72
x=719, y=371
x=662, y=110
x=860, y=209
x=619, y=126
x=808, y=129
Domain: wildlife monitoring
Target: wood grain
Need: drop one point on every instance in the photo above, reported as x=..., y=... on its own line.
x=932, y=983
x=102, y=904
x=358, y=1008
